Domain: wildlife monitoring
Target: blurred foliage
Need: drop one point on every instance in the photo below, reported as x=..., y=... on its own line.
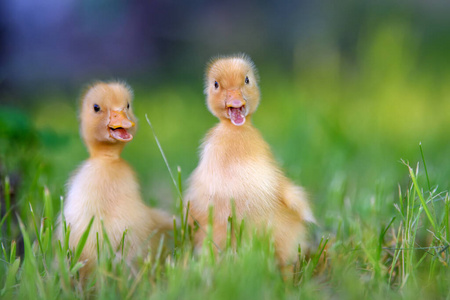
x=325, y=119
x=338, y=126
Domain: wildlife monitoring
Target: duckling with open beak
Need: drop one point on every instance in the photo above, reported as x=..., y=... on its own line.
x=105, y=186
x=236, y=164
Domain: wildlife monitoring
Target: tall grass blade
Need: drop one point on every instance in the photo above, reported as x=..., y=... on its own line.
x=178, y=188
x=98, y=247
x=425, y=166
x=241, y=232
x=106, y=239
x=31, y=270
x=229, y=232
x=48, y=218
x=446, y=218
x=48, y=205
x=180, y=183
x=210, y=233
x=12, y=254
x=5, y=256
x=122, y=242
x=7, y=206
x=164, y=156
x=381, y=237
x=184, y=229
x=422, y=200
x=175, y=233
x=158, y=254
x=81, y=243
x=10, y=279
x=38, y=234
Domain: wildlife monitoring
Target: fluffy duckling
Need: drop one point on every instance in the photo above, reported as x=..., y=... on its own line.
x=105, y=186
x=237, y=164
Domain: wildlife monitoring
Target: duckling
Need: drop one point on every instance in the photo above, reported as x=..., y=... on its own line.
x=105, y=186
x=236, y=164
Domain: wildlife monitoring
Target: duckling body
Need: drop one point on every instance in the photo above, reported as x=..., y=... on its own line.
x=104, y=186
x=107, y=189
x=237, y=164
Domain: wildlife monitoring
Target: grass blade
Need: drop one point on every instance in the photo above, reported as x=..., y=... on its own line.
x=10, y=279
x=7, y=206
x=38, y=235
x=425, y=166
x=422, y=200
x=178, y=188
x=164, y=156
x=81, y=244
x=12, y=255
x=30, y=269
x=106, y=239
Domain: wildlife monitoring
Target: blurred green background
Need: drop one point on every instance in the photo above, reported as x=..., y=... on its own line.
x=348, y=89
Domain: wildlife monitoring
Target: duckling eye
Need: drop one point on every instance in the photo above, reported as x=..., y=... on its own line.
x=128, y=105
x=247, y=81
x=96, y=107
x=216, y=84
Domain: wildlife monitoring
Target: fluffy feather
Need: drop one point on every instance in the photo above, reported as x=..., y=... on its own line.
x=105, y=186
x=237, y=164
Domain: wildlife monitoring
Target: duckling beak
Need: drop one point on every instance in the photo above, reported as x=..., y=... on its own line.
x=119, y=119
x=118, y=125
x=234, y=99
x=235, y=104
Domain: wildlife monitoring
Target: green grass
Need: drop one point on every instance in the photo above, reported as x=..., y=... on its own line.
x=350, y=136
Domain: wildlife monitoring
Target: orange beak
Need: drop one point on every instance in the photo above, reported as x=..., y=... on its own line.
x=118, y=119
x=234, y=98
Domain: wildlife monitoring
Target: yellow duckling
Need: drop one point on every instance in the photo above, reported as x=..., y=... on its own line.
x=237, y=164
x=105, y=186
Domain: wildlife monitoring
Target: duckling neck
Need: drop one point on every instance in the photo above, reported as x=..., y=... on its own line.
x=104, y=150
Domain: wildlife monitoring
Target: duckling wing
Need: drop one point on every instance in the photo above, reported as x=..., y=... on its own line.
x=295, y=198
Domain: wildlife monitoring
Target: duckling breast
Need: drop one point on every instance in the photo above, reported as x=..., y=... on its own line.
x=235, y=168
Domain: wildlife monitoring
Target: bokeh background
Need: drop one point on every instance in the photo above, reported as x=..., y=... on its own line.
x=349, y=88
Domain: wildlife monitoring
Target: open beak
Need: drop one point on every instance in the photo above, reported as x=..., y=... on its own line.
x=235, y=105
x=118, y=125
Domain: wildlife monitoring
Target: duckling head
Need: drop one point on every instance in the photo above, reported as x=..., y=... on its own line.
x=231, y=88
x=107, y=119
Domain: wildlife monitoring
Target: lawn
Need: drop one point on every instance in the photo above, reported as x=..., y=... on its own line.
x=369, y=143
